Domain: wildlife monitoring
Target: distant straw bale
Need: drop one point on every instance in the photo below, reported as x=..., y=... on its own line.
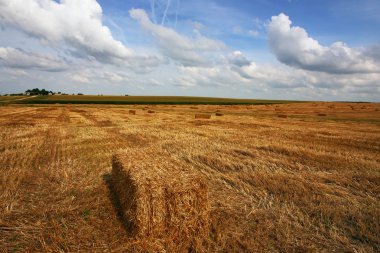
x=150, y=111
x=193, y=107
x=322, y=114
x=161, y=200
x=219, y=114
x=132, y=112
x=203, y=116
x=282, y=116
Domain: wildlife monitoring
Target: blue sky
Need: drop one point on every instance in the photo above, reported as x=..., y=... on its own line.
x=283, y=49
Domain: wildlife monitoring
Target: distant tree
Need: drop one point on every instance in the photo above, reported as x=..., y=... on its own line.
x=37, y=91
x=80, y=94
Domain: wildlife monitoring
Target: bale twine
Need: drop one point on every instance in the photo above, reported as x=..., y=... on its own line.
x=203, y=116
x=161, y=200
x=133, y=112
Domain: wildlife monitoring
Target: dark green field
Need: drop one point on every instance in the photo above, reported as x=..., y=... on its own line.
x=91, y=99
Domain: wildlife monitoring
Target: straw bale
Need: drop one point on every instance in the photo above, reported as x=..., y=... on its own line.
x=132, y=112
x=151, y=111
x=161, y=199
x=218, y=114
x=203, y=116
x=282, y=116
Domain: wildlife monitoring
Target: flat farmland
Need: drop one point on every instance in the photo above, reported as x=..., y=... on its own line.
x=10, y=98
x=300, y=177
x=95, y=99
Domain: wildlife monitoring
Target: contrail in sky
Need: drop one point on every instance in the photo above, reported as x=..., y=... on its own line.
x=165, y=12
x=160, y=9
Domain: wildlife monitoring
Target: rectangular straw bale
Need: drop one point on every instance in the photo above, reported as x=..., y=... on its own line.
x=218, y=114
x=132, y=112
x=151, y=111
x=203, y=116
x=160, y=198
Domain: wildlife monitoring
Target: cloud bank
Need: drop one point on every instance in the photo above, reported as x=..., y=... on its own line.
x=20, y=59
x=78, y=23
x=293, y=46
x=187, y=51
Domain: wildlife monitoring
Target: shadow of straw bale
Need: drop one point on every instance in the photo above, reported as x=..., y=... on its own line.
x=127, y=224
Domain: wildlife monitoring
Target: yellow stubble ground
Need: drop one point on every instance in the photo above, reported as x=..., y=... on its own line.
x=307, y=182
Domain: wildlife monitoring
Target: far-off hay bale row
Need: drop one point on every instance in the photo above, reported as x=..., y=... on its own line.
x=133, y=112
x=161, y=200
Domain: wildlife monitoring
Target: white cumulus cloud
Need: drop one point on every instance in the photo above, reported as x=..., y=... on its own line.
x=188, y=51
x=20, y=59
x=78, y=23
x=293, y=46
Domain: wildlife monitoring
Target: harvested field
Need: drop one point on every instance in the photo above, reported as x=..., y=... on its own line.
x=306, y=183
